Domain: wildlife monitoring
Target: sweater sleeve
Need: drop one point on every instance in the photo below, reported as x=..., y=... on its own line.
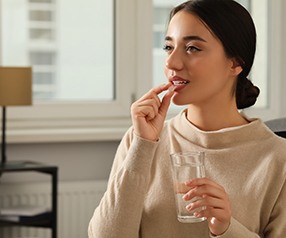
x=120, y=210
x=276, y=226
x=237, y=230
x=277, y=222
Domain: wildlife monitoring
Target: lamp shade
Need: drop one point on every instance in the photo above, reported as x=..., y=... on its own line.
x=15, y=86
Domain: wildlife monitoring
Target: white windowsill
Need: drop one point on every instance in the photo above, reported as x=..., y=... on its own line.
x=65, y=135
x=66, y=130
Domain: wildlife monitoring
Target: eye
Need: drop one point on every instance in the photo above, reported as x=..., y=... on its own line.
x=191, y=49
x=167, y=48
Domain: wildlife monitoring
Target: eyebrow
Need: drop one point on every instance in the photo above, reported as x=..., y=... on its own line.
x=187, y=38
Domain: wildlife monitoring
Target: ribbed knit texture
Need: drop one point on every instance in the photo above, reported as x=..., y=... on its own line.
x=249, y=161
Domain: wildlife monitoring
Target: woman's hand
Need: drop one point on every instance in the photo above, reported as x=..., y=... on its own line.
x=149, y=113
x=215, y=201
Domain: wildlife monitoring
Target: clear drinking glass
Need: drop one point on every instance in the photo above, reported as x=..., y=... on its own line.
x=186, y=166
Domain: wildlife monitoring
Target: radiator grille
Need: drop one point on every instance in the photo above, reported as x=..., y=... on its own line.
x=76, y=203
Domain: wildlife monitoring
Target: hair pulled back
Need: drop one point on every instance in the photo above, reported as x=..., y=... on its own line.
x=232, y=24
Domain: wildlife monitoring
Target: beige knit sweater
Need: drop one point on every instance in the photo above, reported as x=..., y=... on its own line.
x=248, y=161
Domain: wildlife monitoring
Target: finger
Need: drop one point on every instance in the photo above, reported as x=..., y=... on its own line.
x=148, y=103
x=213, y=214
x=201, y=181
x=161, y=88
x=153, y=94
x=203, y=190
x=206, y=201
x=181, y=188
x=165, y=103
x=156, y=90
x=146, y=112
x=150, y=95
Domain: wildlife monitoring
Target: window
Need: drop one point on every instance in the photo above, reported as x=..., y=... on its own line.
x=66, y=43
x=83, y=63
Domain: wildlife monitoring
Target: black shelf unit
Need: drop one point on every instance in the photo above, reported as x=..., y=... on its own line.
x=48, y=219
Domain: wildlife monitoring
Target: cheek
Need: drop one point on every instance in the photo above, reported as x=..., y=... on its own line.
x=217, y=84
x=211, y=73
x=166, y=72
x=209, y=79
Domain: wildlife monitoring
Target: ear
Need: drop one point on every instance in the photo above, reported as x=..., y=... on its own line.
x=236, y=68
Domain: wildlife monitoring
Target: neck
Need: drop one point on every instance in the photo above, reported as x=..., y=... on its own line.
x=212, y=117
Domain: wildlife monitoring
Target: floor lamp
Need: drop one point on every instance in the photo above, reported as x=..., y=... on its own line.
x=15, y=90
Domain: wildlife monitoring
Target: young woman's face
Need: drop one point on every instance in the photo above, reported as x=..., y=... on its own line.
x=196, y=62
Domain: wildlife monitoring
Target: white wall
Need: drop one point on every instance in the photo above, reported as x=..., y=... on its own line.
x=76, y=161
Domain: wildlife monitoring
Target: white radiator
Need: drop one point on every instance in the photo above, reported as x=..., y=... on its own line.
x=76, y=203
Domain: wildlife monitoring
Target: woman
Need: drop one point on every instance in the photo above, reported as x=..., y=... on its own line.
x=210, y=47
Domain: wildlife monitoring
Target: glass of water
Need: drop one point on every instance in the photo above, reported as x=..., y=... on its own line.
x=186, y=166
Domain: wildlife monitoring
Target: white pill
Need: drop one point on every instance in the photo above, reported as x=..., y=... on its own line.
x=172, y=88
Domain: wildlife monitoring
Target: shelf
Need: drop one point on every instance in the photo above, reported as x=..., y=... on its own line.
x=18, y=166
x=41, y=220
x=44, y=219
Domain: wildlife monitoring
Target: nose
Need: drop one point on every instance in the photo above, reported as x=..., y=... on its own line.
x=174, y=61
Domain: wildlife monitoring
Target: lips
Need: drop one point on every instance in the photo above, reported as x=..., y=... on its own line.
x=179, y=83
x=176, y=80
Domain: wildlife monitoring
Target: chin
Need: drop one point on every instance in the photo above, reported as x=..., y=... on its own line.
x=179, y=102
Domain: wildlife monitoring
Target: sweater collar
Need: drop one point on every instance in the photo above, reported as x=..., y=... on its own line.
x=223, y=138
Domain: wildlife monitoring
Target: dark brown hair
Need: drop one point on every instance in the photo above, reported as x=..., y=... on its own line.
x=232, y=24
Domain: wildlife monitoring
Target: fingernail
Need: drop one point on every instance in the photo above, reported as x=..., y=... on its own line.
x=189, y=207
x=186, y=197
x=197, y=214
x=188, y=183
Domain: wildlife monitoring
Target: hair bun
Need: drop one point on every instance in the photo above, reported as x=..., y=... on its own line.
x=246, y=93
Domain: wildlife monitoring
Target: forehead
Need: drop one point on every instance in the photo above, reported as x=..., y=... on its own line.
x=184, y=23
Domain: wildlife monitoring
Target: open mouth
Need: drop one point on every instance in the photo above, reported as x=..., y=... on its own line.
x=180, y=82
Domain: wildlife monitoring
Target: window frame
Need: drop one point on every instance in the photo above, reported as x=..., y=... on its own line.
x=103, y=121
x=275, y=69
x=85, y=120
